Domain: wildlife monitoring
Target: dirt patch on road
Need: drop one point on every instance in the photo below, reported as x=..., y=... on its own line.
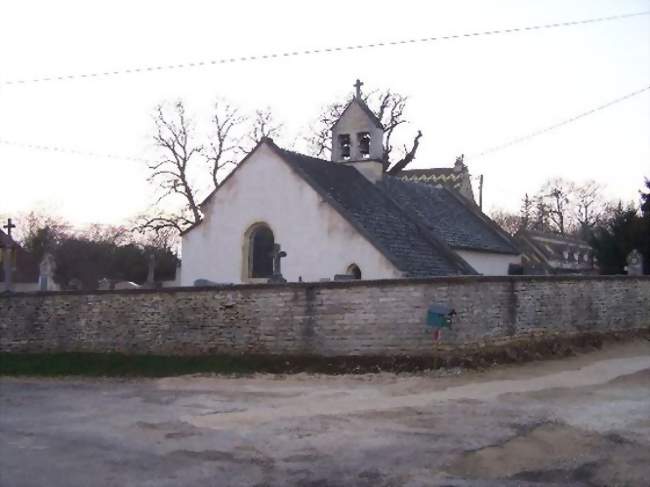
x=555, y=452
x=548, y=446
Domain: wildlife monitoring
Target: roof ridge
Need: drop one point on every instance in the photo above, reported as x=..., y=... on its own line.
x=300, y=154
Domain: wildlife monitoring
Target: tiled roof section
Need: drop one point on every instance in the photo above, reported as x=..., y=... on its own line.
x=449, y=216
x=446, y=176
x=400, y=238
x=554, y=251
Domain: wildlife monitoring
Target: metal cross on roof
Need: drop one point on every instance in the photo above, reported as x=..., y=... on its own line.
x=358, y=86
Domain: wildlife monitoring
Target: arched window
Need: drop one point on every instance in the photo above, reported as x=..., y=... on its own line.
x=354, y=271
x=364, y=144
x=345, y=146
x=260, y=251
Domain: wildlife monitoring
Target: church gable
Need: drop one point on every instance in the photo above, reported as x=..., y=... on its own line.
x=267, y=192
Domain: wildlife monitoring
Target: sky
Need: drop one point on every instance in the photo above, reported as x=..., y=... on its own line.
x=465, y=95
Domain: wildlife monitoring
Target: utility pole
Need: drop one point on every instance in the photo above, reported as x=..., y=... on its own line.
x=480, y=192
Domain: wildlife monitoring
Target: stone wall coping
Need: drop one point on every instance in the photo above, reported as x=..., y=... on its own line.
x=451, y=280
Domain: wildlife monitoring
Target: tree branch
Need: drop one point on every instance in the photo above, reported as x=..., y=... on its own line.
x=409, y=156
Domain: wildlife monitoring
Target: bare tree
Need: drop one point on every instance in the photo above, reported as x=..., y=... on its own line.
x=264, y=125
x=541, y=211
x=510, y=222
x=389, y=107
x=182, y=156
x=225, y=142
x=557, y=194
x=114, y=234
x=261, y=125
x=174, y=138
x=588, y=204
x=320, y=138
x=566, y=207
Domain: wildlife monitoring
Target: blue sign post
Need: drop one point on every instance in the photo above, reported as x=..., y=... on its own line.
x=439, y=317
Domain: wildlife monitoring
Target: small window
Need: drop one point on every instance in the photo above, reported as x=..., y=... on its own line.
x=364, y=144
x=344, y=144
x=354, y=271
x=261, y=252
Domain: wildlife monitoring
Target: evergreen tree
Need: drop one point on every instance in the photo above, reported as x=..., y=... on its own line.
x=614, y=239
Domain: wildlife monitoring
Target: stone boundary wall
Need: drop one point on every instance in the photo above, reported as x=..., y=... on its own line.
x=332, y=319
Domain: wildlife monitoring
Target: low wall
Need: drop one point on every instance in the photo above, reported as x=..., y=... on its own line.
x=336, y=318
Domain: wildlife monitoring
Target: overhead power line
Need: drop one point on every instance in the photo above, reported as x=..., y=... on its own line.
x=307, y=52
x=567, y=121
x=66, y=150
x=518, y=140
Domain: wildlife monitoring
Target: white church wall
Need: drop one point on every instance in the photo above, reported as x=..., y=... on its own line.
x=489, y=264
x=319, y=242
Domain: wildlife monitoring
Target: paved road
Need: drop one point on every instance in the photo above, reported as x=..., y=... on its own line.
x=579, y=421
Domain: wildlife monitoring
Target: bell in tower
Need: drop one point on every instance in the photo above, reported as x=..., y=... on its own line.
x=358, y=134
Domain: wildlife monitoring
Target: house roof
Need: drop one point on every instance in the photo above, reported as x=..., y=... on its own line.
x=551, y=251
x=362, y=104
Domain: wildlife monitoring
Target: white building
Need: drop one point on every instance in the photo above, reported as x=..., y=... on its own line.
x=344, y=216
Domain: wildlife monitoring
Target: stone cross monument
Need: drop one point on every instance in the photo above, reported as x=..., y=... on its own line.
x=634, y=263
x=7, y=257
x=277, y=255
x=46, y=272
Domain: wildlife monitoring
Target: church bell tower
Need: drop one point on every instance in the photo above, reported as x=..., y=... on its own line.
x=358, y=134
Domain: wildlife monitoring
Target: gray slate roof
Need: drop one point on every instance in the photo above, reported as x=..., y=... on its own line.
x=414, y=225
x=402, y=239
x=449, y=216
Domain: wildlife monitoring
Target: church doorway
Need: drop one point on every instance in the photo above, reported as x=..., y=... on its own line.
x=260, y=251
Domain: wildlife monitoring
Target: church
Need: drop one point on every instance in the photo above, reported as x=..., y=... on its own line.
x=284, y=216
